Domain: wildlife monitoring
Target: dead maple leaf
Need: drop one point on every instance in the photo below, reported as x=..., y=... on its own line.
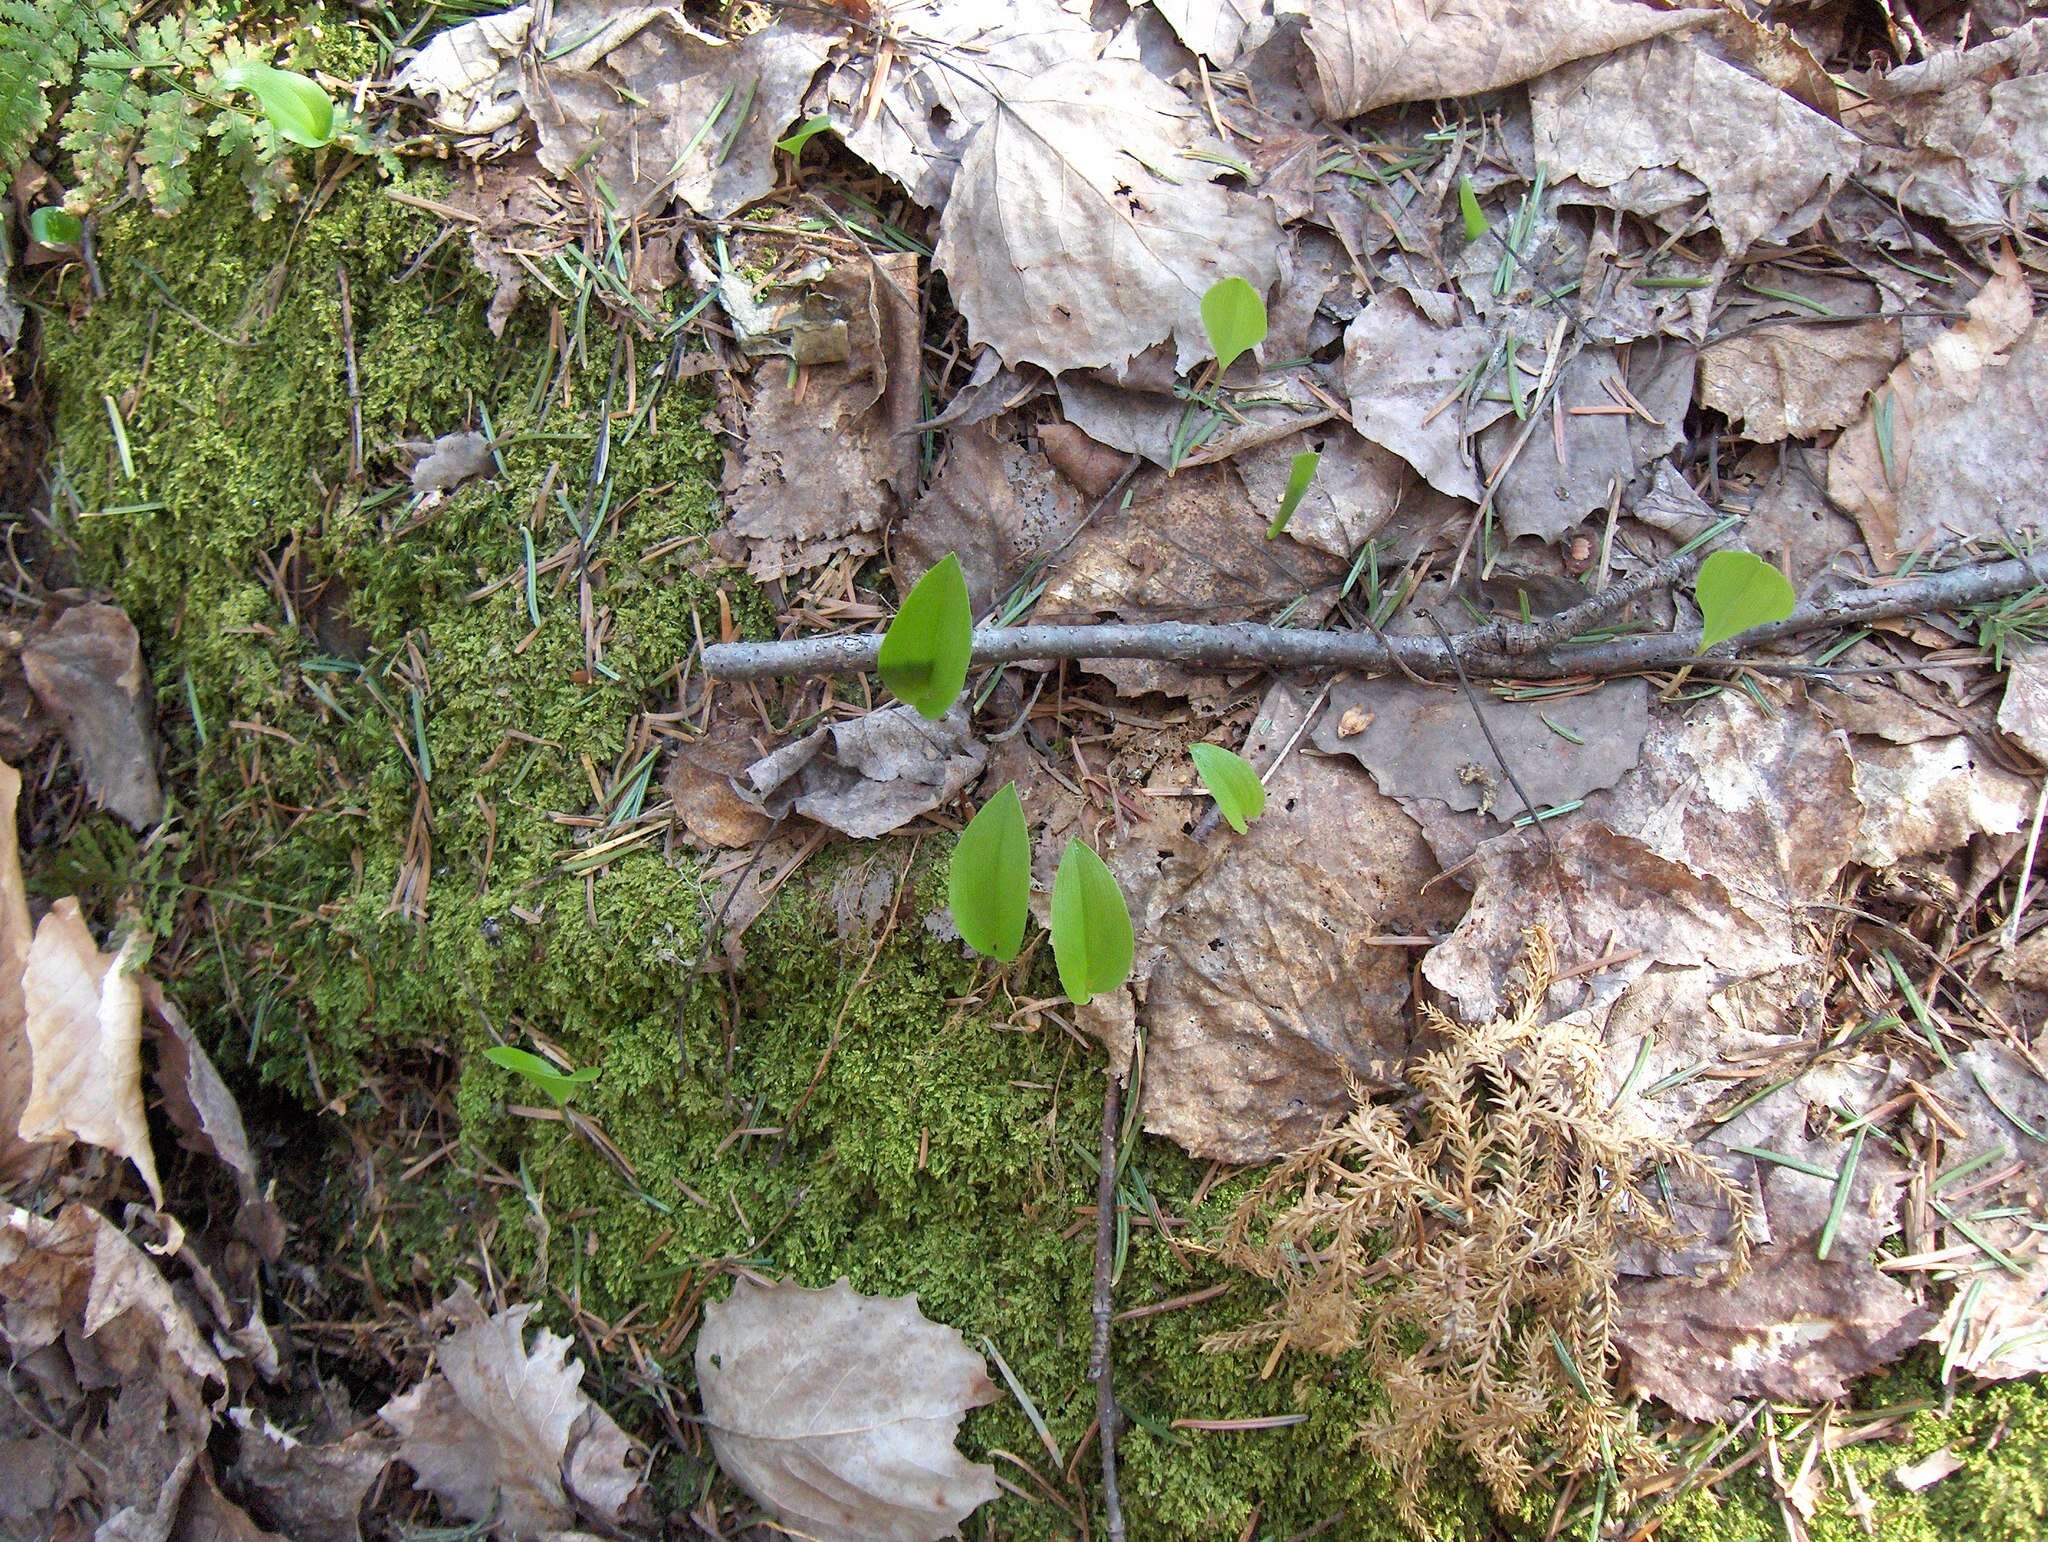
x=84, y=1026
x=1952, y=445
x=1664, y=121
x=1066, y=245
x=85, y=666
x=505, y=1432
x=838, y=1411
x=312, y=1491
x=1791, y=381
x=1370, y=53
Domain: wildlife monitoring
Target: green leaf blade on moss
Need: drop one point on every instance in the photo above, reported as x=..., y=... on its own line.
x=1235, y=318
x=930, y=643
x=1091, y=926
x=56, y=227
x=1468, y=208
x=1240, y=795
x=1737, y=591
x=294, y=104
x=988, y=885
x=543, y=1074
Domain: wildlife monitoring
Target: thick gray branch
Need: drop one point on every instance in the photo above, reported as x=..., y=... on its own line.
x=1519, y=651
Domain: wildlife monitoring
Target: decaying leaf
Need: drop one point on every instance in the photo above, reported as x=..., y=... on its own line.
x=826, y=455
x=1269, y=992
x=700, y=782
x=1765, y=161
x=2023, y=712
x=1952, y=445
x=1800, y=1332
x=838, y=1411
x=1357, y=488
x=20, y=1161
x=1222, y=31
x=1423, y=742
x=85, y=667
x=866, y=776
x=1403, y=374
x=312, y=1491
x=84, y=1024
x=1066, y=245
x=953, y=61
x=1171, y=432
x=1931, y=796
x=1791, y=381
x=996, y=504
x=468, y=74
x=452, y=460
x=505, y=1431
x=1371, y=54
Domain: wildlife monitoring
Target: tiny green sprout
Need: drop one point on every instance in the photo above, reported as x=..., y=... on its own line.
x=1091, y=926
x=929, y=644
x=1235, y=318
x=557, y=1084
x=1299, y=475
x=1468, y=206
x=1736, y=591
x=1240, y=795
x=802, y=135
x=988, y=885
x=56, y=227
x=296, y=107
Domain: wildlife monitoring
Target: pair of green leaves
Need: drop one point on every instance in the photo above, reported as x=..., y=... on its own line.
x=559, y=1085
x=989, y=890
x=1736, y=591
x=296, y=107
x=1234, y=315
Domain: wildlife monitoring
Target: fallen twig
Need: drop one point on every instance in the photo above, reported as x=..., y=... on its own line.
x=1098, y=1354
x=1497, y=651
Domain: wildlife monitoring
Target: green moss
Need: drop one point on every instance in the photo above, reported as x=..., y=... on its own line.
x=906, y=1136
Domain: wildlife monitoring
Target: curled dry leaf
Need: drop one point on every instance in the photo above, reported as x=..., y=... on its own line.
x=452, y=460
x=1765, y=161
x=1791, y=381
x=700, y=782
x=838, y=1411
x=312, y=1491
x=1066, y=245
x=20, y=1161
x=1955, y=443
x=85, y=667
x=1370, y=53
x=1930, y=796
x=466, y=72
x=866, y=776
x=504, y=1431
x=84, y=1025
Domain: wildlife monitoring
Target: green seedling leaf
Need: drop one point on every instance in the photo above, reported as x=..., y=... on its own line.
x=1737, y=591
x=56, y=227
x=802, y=135
x=295, y=106
x=1091, y=926
x=989, y=883
x=927, y=648
x=1235, y=317
x=1240, y=795
x=1299, y=475
x=1468, y=206
x=558, y=1085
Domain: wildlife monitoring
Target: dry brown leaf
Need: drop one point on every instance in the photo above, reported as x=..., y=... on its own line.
x=1269, y=993
x=312, y=1491
x=1221, y=31
x=749, y=91
x=20, y=1161
x=504, y=1431
x=1952, y=445
x=208, y=1515
x=838, y=1411
x=1160, y=426
x=866, y=776
x=996, y=503
x=1914, y=1477
x=1066, y=245
x=469, y=74
x=1931, y=796
x=1797, y=1330
x=1765, y=162
x=2023, y=711
x=451, y=460
x=953, y=60
x=1402, y=373
x=1423, y=742
x=84, y=1024
x=825, y=457
x=1370, y=53
x=700, y=782
x=86, y=669
x=1791, y=382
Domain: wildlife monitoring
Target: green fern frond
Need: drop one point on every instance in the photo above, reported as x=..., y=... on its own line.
x=169, y=136
x=101, y=128
x=40, y=43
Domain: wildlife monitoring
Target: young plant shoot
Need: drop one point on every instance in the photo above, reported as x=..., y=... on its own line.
x=988, y=885
x=1091, y=926
x=1737, y=591
x=1299, y=476
x=1235, y=318
x=927, y=648
x=557, y=1084
x=296, y=107
x=1240, y=795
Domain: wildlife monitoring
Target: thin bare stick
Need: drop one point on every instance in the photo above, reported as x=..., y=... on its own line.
x=1105, y=1256
x=1487, y=653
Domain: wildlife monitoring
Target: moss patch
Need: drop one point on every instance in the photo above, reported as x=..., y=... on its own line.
x=310, y=636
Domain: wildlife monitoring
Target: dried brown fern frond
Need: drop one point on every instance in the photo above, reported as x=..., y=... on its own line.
x=1466, y=1245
